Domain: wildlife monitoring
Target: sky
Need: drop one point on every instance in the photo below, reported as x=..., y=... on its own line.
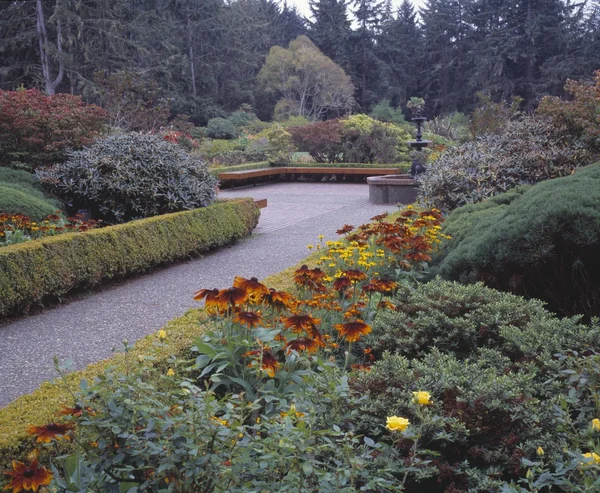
x=302, y=5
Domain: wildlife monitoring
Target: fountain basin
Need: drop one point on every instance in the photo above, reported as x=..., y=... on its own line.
x=392, y=189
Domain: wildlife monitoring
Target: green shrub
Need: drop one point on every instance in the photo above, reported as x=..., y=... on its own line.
x=529, y=151
x=221, y=128
x=19, y=177
x=131, y=176
x=386, y=113
x=366, y=140
x=541, y=242
x=462, y=319
x=19, y=199
x=33, y=271
x=241, y=119
x=280, y=143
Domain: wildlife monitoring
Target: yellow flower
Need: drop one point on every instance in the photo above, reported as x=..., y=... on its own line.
x=395, y=423
x=422, y=398
x=540, y=452
x=591, y=458
x=170, y=372
x=596, y=424
x=220, y=421
x=320, y=237
x=162, y=335
x=310, y=247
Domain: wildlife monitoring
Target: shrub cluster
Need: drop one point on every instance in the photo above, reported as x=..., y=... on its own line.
x=529, y=151
x=34, y=271
x=20, y=193
x=540, y=242
x=37, y=130
x=131, y=176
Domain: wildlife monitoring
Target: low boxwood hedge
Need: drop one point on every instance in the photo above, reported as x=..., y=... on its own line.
x=404, y=167
x=37, y=270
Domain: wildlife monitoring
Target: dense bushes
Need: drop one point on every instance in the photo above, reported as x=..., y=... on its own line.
x=529, y=151
x=221, y=128
x=33, y=271
x=36, y=129
x=20, y=193
x=130, y=176
x=322, y=140
x=540, y=242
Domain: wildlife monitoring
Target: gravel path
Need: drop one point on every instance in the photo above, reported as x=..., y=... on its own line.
x=87, y=329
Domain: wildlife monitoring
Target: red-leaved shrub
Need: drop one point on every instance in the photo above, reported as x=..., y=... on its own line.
x=36, y=129
x=322, y=140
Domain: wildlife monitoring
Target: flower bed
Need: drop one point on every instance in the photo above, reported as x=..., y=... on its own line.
x=33, y=271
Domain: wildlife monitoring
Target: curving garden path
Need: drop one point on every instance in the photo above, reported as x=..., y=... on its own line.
x=87, y=329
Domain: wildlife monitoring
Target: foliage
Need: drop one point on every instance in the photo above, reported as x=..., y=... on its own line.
x=35, y=271
x=15, y=199
x=280, y=145
x=221, y=128
x=386, y=113
x=309, y=83
x=366, y=140
x=580, y=114
x=37, y=130
x=132, y=101
x=530, y=151
x=454, y=127
x=322, y=140
x=241, y=119
x=129, y=176
x=490, y=117
x=539, y=242
x=17, y=228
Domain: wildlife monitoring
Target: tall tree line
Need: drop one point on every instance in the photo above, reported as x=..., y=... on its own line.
x=205, y=55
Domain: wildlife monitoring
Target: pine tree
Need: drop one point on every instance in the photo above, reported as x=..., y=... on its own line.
x=330, y=30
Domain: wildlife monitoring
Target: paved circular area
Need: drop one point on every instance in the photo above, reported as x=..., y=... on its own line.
x=86, y=330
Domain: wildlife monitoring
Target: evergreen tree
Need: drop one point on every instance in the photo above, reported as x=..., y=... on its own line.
x=330, y=30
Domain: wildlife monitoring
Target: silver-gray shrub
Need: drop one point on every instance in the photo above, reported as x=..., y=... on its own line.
x=130, y=176
x=529, y=151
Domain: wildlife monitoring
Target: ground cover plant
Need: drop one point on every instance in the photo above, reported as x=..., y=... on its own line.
x=539, y=241
x=131, y=176
x=314, y=389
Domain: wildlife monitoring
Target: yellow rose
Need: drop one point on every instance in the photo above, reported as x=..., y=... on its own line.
x=162, y=335
x=596, y=424
x=170, y=372
x=540, y=452
x=591, y=458
x=422, y=398
x=395, y=423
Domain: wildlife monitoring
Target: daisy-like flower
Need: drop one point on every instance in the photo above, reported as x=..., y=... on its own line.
x=52, y=431
x=28, y=477
x=268, y=362
x=76, y=411
x=252, y=286
x=346, y=228
x=385, y=285
x=278, y=299
x=353, y=331
x=211, y=297
x=303, y=344
x=250, y=319
x=231, y=297
x=355, y=275
x=341, y=283
x=300, y=322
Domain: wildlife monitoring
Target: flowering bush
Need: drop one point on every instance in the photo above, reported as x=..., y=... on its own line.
x=37, y=130
x=17, y=228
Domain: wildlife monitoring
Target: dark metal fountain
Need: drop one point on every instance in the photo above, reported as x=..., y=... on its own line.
x=401, y=189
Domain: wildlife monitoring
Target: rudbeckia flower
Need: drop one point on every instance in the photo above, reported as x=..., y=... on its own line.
x=252, y=286
x=346, y=228
x=231, y=297
x=303, y=344
x=268, y=362
x=300, y=322
x=353, y=331
x=250, y=319
x=76, y=411
x=355, y=275
x=28, y=478
x=278, y=299
x=210, y=296
x=341, y=283
x=52, y=431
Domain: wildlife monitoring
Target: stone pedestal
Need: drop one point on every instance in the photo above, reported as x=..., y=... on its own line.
x=392, y=189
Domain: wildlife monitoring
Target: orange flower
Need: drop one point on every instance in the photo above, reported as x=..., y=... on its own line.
x=251, y=319
x=346, y=228
x=353, y=331
x=386, y=285
x=300, y=322
x=52, y=431
x=28, y=478
x=341, y=283
x=231, y=296
x=252, y=286
x=278, y=299
x=268, y=362
x=380, y=217
x=385, y=304
x=303, y=344
x=210, y=296
x=355, y=275
x=76, y=411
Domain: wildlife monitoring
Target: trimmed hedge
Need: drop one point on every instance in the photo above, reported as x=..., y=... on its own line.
x=16, y=199
x=540, y=242
x=35, y=270
x=405, y=167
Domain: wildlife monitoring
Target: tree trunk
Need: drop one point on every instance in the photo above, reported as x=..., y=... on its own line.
x=50, y=84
